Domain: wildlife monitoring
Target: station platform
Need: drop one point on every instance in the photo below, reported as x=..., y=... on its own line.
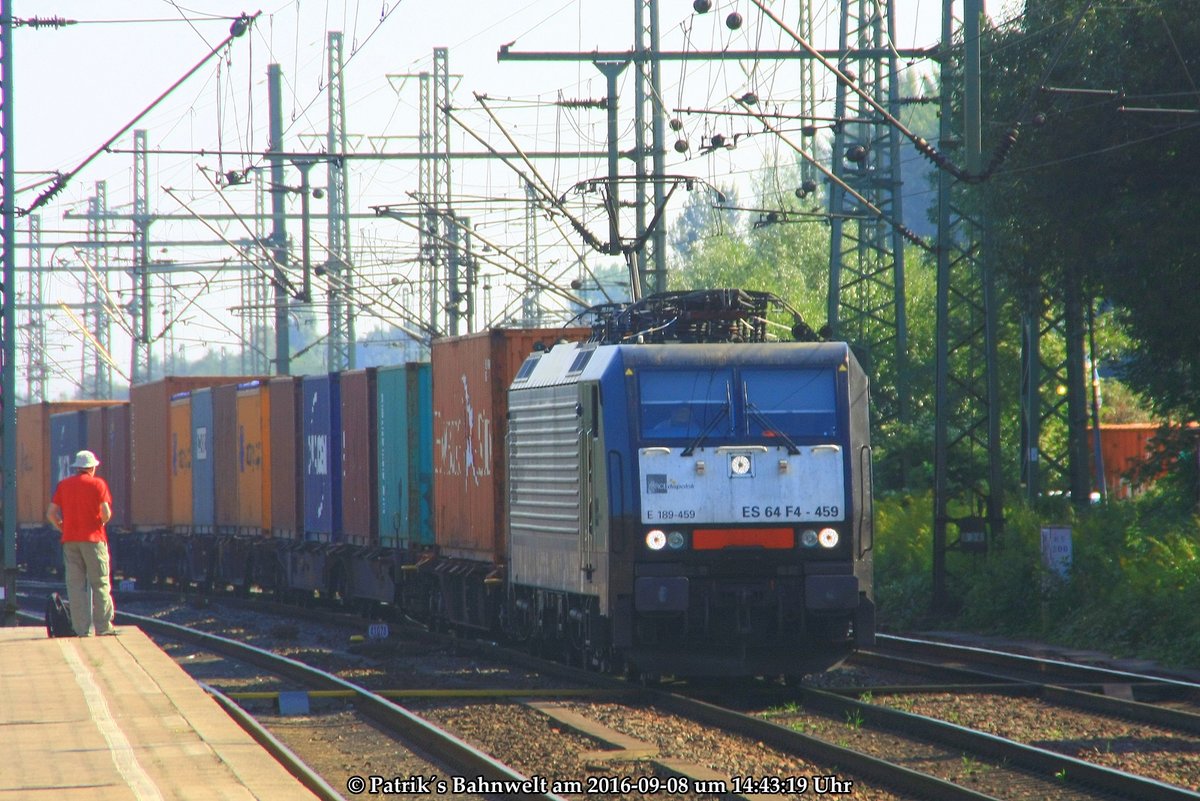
x=115, y=718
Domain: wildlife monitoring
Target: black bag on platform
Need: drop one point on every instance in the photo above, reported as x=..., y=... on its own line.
x=58, y=617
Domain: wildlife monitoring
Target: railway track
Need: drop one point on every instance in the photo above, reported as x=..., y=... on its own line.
x=668, y=742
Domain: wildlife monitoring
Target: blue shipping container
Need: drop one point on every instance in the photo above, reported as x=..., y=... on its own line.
x=405, y=452
x=321, y=407
x=68, y=435
x=203, y=475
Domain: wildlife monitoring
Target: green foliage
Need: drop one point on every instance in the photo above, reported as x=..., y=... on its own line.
x=1133, y=587
x=1098, y=198
x=903, y=548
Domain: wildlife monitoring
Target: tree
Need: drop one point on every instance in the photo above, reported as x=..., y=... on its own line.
x=1099, y=197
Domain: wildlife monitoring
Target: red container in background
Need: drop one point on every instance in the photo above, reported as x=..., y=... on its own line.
x=108, y=438
x=360, y=503
x=150, y=429
x=286, y=477
x=1122, y=447
x=471, y=376
x=225, y=457
x=33, y=455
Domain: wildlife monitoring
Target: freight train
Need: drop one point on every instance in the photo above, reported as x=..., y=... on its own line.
x=663, y=492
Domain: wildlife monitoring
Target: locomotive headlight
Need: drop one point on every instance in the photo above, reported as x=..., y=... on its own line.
x=739, y=465
x=808, y=538
x=675, y=540
x=828, y=537
x=656, y=539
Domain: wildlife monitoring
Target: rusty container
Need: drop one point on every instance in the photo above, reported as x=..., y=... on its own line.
x=181, y=460
x=286, y=478
x=33, y=455
x=254, y=458
x=471, y=376
x=150, y=435
x=225, y=458
x=108, y=438
x=1123, y=447
x=360, y=512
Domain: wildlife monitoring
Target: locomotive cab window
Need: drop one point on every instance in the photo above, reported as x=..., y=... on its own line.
x=684, y=403
x=794, y=403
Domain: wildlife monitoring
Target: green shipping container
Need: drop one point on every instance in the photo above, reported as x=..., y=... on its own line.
x=405, y=454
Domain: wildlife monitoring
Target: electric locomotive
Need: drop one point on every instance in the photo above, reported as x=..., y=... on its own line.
x=687, y=506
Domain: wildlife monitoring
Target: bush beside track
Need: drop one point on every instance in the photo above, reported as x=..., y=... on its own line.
x=1132, y=590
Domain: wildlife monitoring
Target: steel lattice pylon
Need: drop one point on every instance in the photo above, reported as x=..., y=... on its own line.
x=139, y=307
x=338, y=266
x=1043, y=467
x=35, y=330
x=968, y=488
x=866, y=261
x=650, y=161
x=96, y=378
x=8, y=330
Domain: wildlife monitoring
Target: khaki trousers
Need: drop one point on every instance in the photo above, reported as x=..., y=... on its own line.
x=88, y=586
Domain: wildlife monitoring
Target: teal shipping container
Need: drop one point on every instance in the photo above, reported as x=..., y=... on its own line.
x=204, y=487
x=405, y=452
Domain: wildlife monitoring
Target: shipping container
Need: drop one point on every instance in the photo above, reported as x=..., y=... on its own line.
x=33, y=456
x=1123, y=447
x=286, y=477
x=360, y=511
x=405, y=455
x=150, y=429
x=181, y=460
x=471, y=376
x=225, y=457
x=108, y=438
x=204, y=488
x=68, y=436
x=254, y=458
x=321, y=410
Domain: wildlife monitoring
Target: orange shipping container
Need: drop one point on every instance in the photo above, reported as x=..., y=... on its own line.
x=181, y=460
x=1123, y=446
x=33, y=456
x=254, y=458
x=287, y=514
x=471, y=376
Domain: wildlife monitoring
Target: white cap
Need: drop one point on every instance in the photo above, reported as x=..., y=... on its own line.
x=85, y=459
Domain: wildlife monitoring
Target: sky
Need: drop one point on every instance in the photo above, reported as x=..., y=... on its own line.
x=75, y=87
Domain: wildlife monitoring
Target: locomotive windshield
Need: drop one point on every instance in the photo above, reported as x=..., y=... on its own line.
x=793, y=403
x=683, y=403
x=714, y=404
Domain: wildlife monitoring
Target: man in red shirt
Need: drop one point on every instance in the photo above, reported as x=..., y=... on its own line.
x=80, y=508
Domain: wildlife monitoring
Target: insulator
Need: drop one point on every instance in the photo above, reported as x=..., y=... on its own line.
x=239, y=26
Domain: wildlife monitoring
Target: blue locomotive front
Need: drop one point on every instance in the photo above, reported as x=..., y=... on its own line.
x=692, y=509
